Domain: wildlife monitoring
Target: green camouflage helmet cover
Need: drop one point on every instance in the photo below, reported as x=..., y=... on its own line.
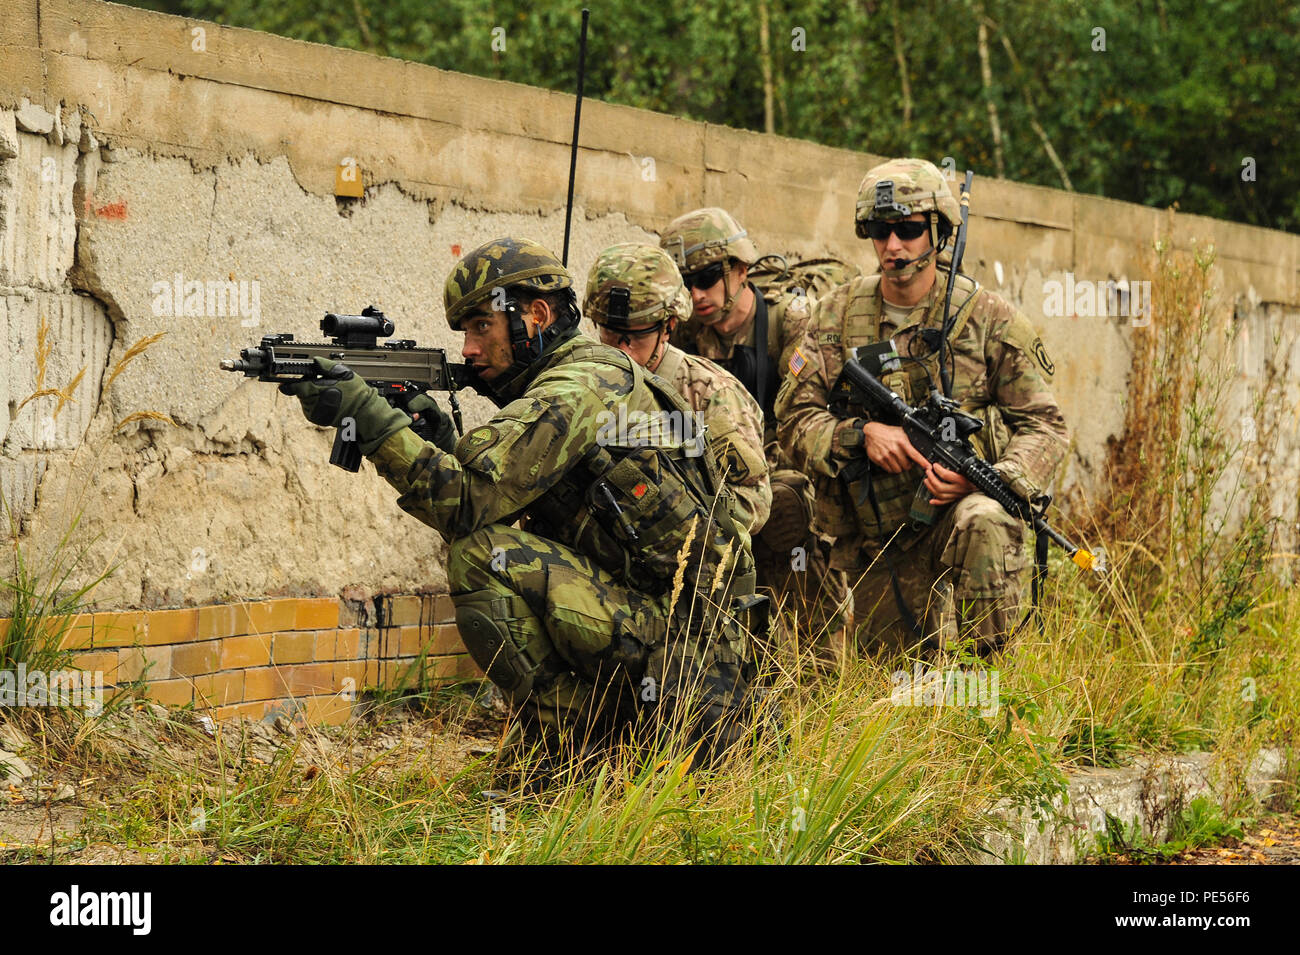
x=655, y=287
x=502, y=263
x=917, y=186
x=705, y=236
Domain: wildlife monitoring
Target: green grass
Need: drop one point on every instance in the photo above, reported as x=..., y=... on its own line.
x=1188, y=643
x=1202, y=823
x=853, y=779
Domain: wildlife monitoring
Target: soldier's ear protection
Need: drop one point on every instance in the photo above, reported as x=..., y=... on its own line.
x=521, y=343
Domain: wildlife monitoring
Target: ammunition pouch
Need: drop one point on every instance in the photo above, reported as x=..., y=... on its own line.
x=650, y=509
x=884, y=502
x=790, y=521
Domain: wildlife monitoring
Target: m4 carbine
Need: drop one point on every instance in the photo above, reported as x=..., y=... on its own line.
x=939, y=430
x=399, y=370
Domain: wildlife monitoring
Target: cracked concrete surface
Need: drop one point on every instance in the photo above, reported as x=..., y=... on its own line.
x=162, y=167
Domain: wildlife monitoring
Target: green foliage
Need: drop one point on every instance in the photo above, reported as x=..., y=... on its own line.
x=1182, y=95
x=41, y=604
x=1201, y=823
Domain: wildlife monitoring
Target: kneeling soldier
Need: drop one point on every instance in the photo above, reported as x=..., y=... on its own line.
x=636, y=297
x=629, y=584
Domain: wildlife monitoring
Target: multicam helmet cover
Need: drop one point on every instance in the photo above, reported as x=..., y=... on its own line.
x=902, y=186
x=705, y=236
x=632, y=284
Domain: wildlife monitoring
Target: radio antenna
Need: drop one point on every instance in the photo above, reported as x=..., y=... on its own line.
x=577, y=121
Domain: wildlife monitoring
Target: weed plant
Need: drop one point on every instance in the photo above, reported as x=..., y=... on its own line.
x=1188, y=643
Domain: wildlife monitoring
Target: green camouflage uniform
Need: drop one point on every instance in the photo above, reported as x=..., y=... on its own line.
x=964, y=573
x=571, y=621
x=731, y=417
x=792, y=559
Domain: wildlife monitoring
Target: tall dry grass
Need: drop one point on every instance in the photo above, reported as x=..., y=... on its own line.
x=1189, y=643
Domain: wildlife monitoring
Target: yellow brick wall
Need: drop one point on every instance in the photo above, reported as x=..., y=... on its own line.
x=306, y=658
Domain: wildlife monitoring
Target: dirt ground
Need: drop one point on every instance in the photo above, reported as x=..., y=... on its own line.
x=1274, y=840
x=45, y=812
x=45, y=815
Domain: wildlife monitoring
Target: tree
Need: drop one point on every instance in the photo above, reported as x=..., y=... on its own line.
x=1163, y=107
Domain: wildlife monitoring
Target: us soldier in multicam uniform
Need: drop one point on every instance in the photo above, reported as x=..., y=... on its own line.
x=735, y=326
x=957, y=557
x=576, y=616
x=635, y=297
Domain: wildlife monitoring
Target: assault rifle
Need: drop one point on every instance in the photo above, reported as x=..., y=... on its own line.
x=940, y=431
x=400, y=370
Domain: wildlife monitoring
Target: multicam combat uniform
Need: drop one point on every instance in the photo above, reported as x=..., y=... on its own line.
x=734, y=428
x=970, y=557
x=576, y=616
x=792, y=559
x=654, y=297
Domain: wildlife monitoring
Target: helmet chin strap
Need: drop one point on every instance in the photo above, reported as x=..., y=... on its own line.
x=730, y=301
x=661, y=349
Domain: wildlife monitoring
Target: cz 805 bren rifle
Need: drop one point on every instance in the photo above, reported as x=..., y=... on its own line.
x=399, y=370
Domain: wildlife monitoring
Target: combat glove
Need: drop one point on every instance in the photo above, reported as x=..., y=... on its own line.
x=336, y=395
x=433, y=424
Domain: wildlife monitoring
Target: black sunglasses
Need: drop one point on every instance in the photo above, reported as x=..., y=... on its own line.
x=614, y=334
x=905, y=229
x=706, y=277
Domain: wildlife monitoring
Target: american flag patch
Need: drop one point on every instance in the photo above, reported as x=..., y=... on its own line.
x=797, y=362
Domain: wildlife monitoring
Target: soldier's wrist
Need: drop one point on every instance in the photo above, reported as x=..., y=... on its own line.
x=849, y=438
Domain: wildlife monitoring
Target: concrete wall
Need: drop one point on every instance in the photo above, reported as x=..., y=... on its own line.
x=136, y=148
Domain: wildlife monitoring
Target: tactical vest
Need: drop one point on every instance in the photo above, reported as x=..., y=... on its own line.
x=752, y=365
x=646, y=503
x=902, y=498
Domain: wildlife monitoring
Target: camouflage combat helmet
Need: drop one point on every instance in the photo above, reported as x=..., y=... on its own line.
x=901, y=187
x=706, y=236
x=487, y=275
x=502, y=263
x=633, y=284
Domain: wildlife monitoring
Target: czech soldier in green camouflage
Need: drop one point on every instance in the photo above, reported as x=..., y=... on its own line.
x=948, y=561
x=636, y=298
x=585, y=615
x=747, y=332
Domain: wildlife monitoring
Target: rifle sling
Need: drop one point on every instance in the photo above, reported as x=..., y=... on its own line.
x=761, y=361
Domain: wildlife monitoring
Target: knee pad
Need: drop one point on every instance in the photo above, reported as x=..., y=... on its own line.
x=484, y=626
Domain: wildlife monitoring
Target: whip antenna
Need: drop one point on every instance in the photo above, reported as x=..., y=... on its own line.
x=577, y=121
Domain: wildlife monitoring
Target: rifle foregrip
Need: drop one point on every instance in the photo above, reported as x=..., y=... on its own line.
x=980, y=473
